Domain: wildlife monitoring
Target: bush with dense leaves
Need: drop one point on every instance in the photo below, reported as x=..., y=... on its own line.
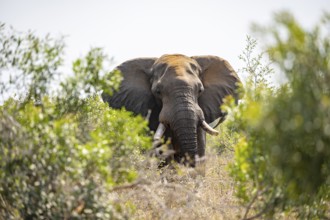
x=60, y=156
x=282, y=161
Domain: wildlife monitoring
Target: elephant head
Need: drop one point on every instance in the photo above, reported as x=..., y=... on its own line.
x=179, y=94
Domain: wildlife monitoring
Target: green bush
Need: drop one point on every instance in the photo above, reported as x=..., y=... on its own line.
x=282, y=161
x=60, y=156
x=29, y=63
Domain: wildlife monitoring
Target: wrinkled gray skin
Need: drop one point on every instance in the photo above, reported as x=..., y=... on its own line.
x=180, y=92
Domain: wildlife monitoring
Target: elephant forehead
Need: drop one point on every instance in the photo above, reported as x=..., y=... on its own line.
x=176, y=64
x=175, y=60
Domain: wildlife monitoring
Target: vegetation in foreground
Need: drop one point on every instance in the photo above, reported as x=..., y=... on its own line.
x=64, y=154
x=282, y=159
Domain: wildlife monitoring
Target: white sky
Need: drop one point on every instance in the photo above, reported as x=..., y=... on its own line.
x=140, y=28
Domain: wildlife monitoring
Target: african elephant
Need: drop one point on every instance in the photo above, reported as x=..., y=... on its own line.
x=181, y=96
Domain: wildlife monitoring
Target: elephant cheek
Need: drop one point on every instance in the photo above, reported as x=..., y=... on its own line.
x=165, y=115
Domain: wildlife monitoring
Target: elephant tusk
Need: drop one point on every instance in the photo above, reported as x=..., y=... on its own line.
x=159, y=132
x=209, y=129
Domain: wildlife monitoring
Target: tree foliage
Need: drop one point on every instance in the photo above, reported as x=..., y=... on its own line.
x=61, y=155
x=28, y=63
x=282, y=161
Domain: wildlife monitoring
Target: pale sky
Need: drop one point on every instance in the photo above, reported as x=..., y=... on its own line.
x=142, y=28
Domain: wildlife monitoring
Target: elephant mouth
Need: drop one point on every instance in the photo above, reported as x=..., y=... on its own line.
x=162, y=128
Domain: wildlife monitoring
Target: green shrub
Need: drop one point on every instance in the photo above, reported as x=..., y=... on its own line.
x=60, y=156
x=29, y=64
x=51, y=165
x=282, y=161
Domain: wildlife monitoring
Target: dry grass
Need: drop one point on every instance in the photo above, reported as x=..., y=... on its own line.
x=206, y=192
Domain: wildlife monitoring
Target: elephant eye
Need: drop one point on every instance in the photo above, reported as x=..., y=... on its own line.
x=158, y=91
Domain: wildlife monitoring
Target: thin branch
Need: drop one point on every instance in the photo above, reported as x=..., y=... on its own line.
x=250, y=204
x=266, y=208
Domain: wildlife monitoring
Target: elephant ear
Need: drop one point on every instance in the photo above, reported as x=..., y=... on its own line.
x=219, y=80
x=134, y=92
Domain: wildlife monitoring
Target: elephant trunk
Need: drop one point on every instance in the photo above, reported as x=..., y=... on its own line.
x=184, y=127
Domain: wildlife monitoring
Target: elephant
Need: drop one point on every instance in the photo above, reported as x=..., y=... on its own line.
x=180, y=96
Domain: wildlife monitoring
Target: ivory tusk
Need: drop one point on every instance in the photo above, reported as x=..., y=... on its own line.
x=159, y=132
x=209, y=129
x=148, y=114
